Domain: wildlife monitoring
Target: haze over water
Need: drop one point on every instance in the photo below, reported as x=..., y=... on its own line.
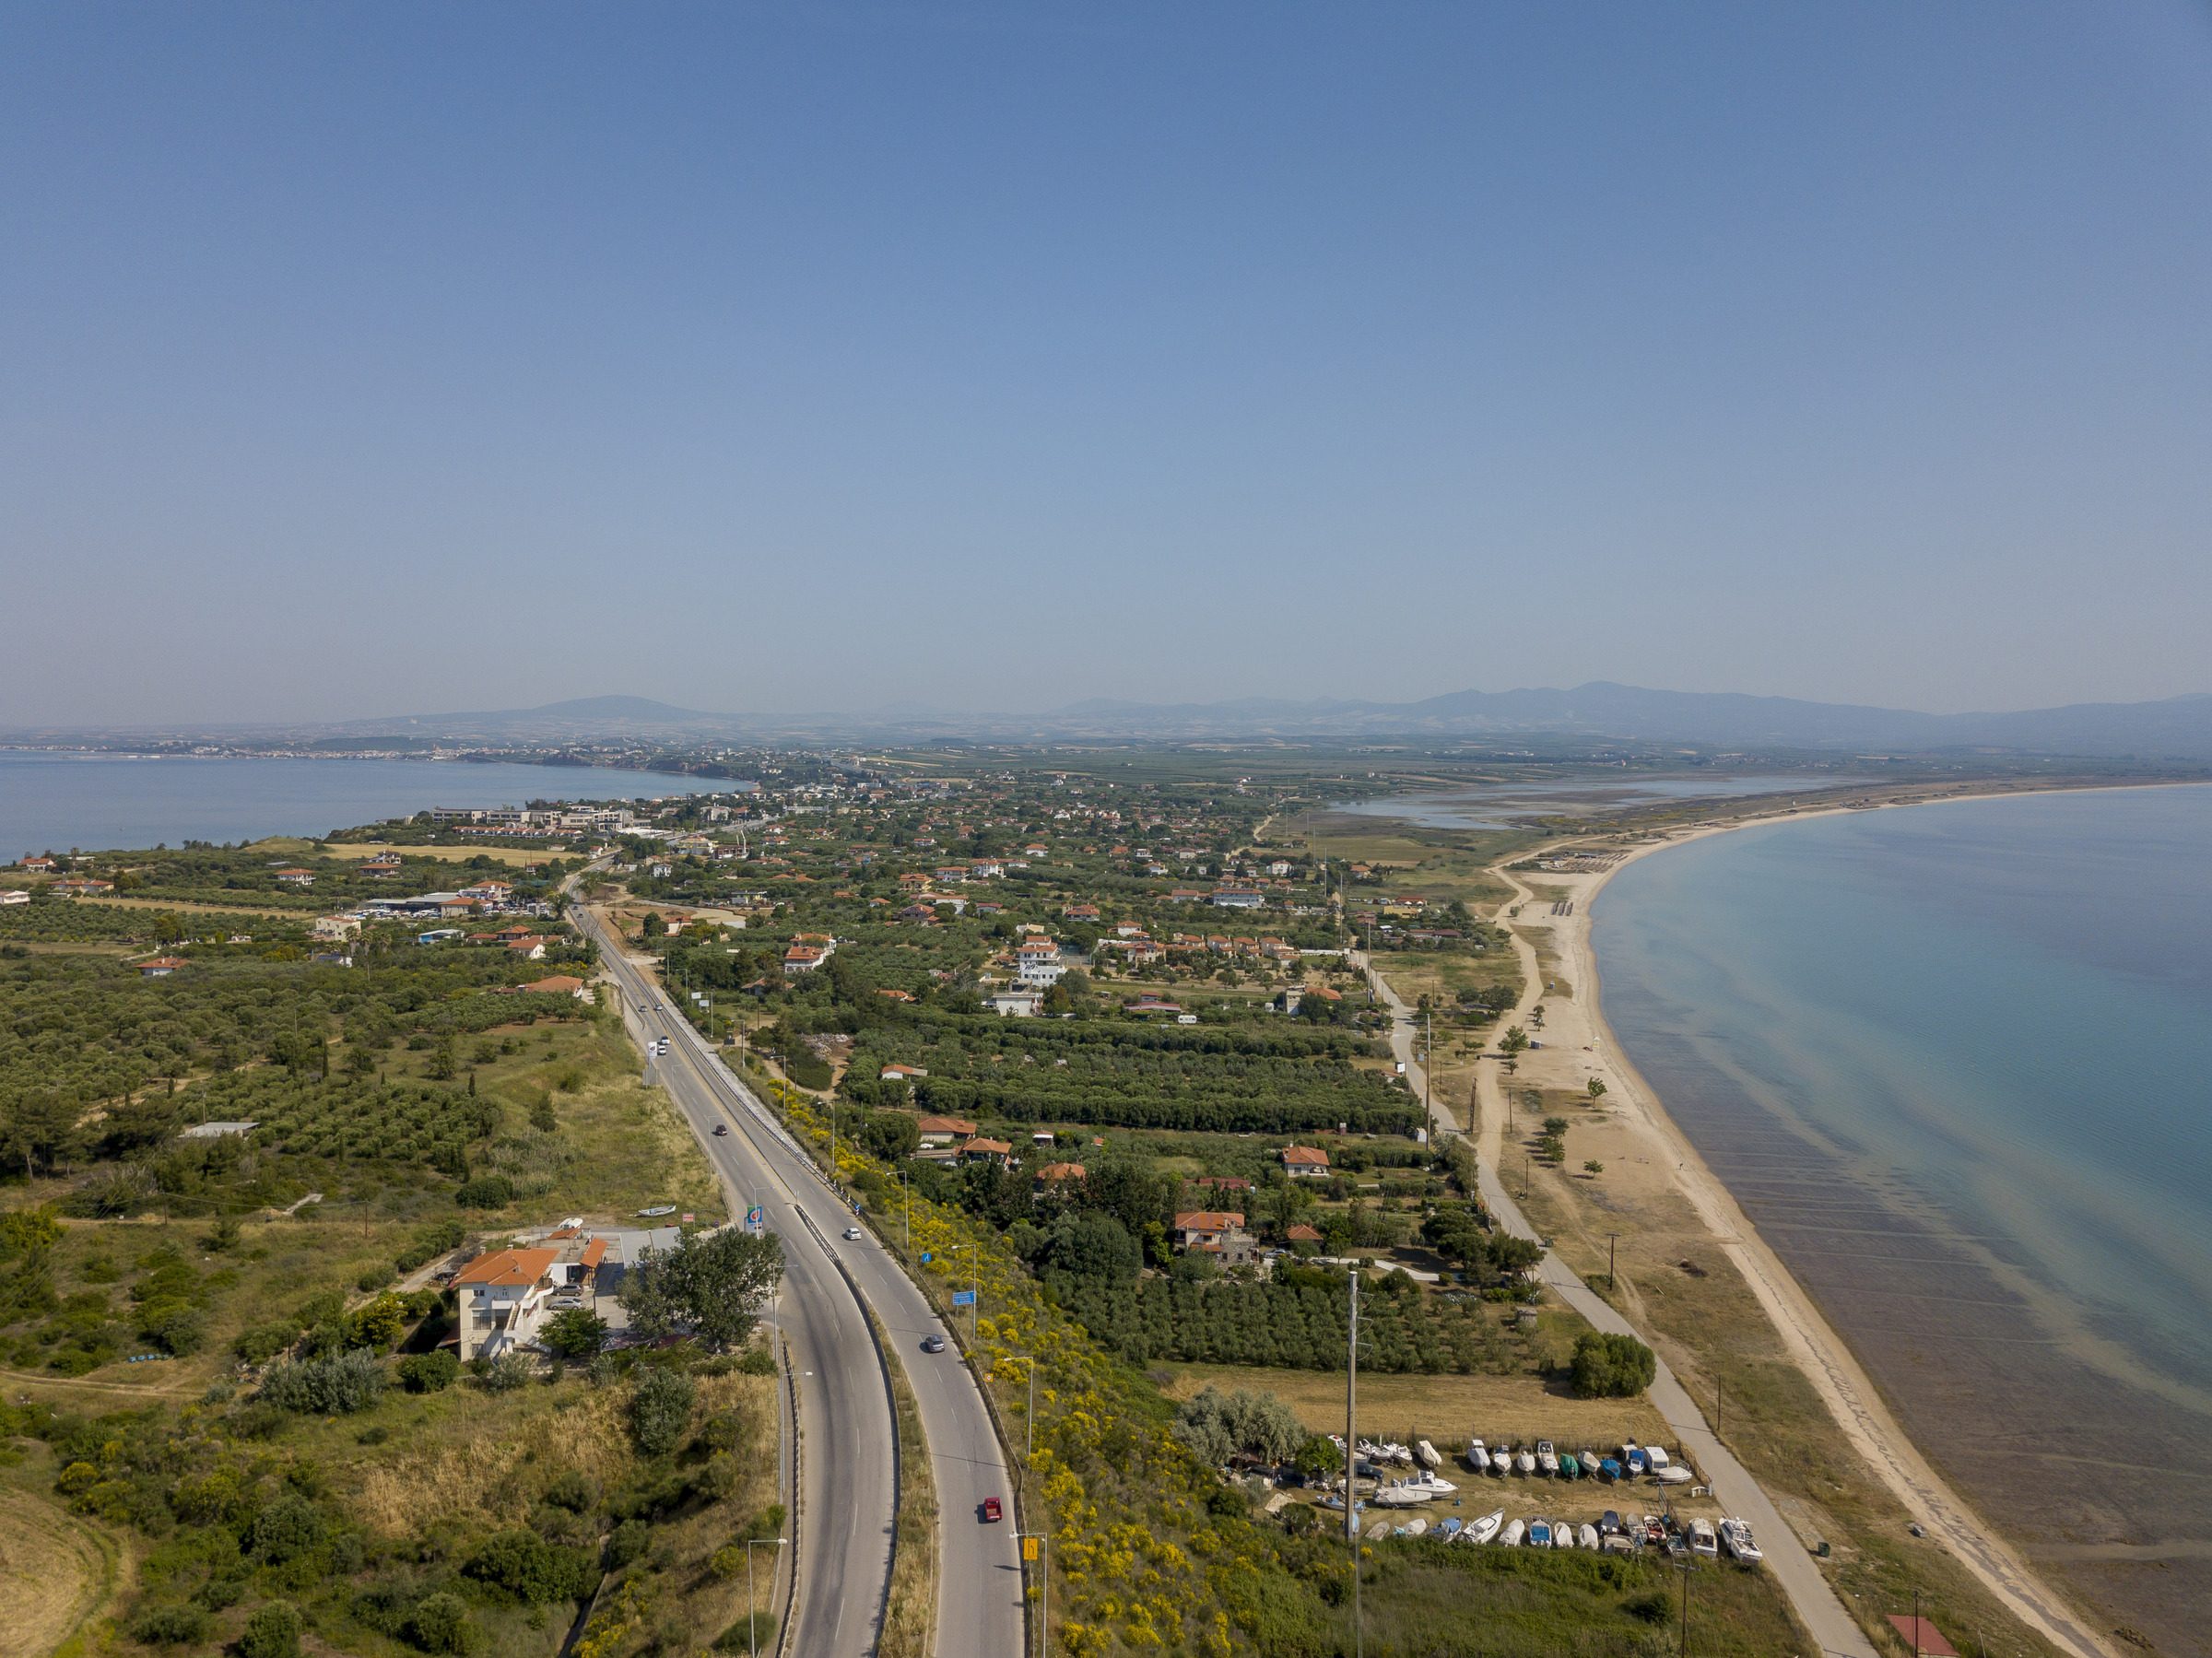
x=1953, y=1061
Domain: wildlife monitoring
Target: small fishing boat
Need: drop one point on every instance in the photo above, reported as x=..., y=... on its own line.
x=1676, y=1476
x=1401, y=1494
x=1524, y=1461
x=1611, y=1469
x=1737, y=1537
x=1431, y=1481
x=1547, y=1458
x=1513, y=1534
x=1656, y=1457
x=1563, y=1534
x=1484, y=1529
x=1427, y=1453
x=1635, y=1460
x=1450, y=1528
x=1377, y=1532
x=1586, y=1534
x=1568, y=1467
x=1539, y=1533
x=1478, y=1458
x=1702, y=1540
x=1413, y=1528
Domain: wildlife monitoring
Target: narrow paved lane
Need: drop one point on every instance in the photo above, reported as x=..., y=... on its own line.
x=1733, y=1486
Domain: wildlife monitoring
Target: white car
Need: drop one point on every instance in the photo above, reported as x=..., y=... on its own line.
x=852, y=1234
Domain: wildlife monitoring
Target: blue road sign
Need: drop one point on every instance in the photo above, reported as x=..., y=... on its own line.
x=963, y=1298
x=752, y=1215
x=927, y=1256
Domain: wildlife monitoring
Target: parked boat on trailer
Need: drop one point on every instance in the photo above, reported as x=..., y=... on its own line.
x=1427, y=1453
x=1513, y=1534
x=1478, y=1458
x=1484, y=1529
x=1547, y=1457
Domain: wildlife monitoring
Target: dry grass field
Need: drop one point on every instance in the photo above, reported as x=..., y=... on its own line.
x=1447, y=1410
x=516, y=856
x=55, y=1572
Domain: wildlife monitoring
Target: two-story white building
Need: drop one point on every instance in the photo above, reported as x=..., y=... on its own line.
x=1038, y=962
x=503, y=1297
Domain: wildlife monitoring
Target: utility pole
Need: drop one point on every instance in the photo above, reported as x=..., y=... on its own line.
x=1611, y=1238
x=1351, y=1454
x=1428, y=1065
x=752, y=1624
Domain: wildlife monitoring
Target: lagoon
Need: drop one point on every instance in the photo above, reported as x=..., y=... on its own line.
x=56, y=801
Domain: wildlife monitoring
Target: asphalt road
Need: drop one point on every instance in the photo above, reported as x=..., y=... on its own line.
x=848, y=1490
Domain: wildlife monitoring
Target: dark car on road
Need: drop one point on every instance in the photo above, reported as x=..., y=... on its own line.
x=722, y=1128
x=935, y=1344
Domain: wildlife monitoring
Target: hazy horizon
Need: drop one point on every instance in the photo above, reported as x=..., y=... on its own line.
x=356, y=365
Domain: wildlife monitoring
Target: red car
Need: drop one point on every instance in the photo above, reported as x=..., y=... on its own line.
x=992, y=1511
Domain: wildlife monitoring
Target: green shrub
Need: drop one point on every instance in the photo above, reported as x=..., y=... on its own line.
x=338, y=1385
x=571, y=1491
x=529, y=1567
x=660, y=1410
x=490, y=1191
x=428, y=1372
x=286, y=1529
x=507, y=1372
x=758, y=1361
x=272, y=1632
x=169, y=1626
x=321, y=1309
x=1652, y=1607
x=263, y=1342
x=440, y=1623
x=627, y=1542
x=1612, y=1367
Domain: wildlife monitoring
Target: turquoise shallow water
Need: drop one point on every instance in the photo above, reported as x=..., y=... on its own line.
x=52, y=800
x=1955, y=1062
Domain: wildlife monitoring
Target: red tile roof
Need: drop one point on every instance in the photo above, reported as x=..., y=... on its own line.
x=508, y=1267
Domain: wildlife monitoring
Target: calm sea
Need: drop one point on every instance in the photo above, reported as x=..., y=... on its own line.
x=1955, y=1062
x=97, y=802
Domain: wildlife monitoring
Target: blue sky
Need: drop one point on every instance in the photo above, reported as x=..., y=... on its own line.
x=370, y=359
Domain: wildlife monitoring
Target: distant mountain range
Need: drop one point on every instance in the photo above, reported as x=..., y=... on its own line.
x=2175, y=728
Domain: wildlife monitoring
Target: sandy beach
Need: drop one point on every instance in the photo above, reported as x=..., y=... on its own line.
x=1646, y=1156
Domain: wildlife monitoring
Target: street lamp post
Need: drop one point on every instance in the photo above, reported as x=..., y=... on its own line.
x=1036, y=1547
x=752, y=1616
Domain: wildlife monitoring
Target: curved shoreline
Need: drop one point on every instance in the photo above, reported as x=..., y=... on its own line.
x=1815, y=1346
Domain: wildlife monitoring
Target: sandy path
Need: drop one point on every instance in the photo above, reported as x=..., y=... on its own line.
x=1818, y=1350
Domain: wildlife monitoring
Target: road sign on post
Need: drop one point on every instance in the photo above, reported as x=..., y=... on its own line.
x=1029, y=1548
x=963, y=1298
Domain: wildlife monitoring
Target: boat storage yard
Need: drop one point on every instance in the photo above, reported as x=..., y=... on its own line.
x=1537, y=1494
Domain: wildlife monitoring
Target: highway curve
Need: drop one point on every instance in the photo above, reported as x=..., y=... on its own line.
x=848, y=1491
